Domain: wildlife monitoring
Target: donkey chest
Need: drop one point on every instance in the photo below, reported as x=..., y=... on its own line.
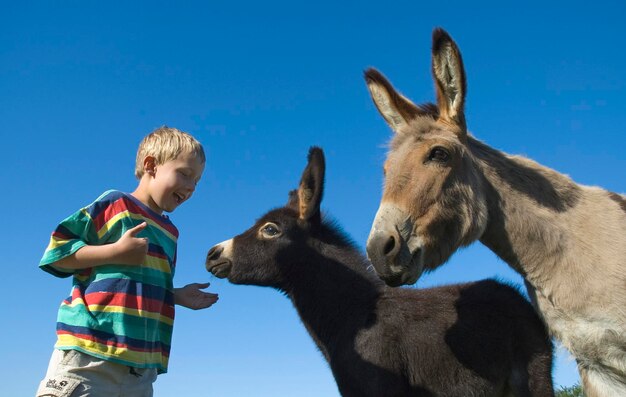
x=591, y=337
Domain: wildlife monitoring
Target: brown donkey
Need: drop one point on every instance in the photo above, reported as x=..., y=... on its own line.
x=474, y=339
x=444, y=189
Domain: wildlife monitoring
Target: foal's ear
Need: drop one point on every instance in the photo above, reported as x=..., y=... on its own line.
x=395, y=108
x=449, y=76
x=311, y=187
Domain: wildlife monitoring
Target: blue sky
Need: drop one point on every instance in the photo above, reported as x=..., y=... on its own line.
x=258, y=83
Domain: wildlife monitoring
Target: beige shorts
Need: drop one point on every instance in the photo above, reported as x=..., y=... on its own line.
x=75, y=374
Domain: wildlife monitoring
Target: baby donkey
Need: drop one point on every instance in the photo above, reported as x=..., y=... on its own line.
x=475, y=339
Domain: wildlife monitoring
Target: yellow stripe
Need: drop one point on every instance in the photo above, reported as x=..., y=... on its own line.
x=159, y=264
x=99, y=349
x=107, y=226
x=86, y=213
x=56, y=243
x=132, y=312
x=127, y=214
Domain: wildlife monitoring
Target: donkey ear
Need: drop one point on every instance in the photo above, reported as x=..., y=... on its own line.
x=395, y=108
x=449, y=78
x=311, y=187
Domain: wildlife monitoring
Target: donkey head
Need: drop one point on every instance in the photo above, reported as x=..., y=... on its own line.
x=432, y=199
x=264, y=254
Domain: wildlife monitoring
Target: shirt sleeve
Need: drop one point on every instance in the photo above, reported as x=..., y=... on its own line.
x=70, y=235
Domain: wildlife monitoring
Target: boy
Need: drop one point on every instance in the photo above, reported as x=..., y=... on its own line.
x=114, y=331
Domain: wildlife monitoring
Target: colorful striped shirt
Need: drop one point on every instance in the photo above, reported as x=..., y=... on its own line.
x=119, y=313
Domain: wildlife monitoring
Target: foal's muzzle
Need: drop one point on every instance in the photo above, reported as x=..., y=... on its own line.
x=218, y=264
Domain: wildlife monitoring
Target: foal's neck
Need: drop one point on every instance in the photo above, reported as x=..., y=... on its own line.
x=334, y=293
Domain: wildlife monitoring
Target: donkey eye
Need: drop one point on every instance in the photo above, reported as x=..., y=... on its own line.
x=439, y=155
x=270, y=230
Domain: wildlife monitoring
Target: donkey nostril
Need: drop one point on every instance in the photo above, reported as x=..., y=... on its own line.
x=389, y=246
x=214, y=253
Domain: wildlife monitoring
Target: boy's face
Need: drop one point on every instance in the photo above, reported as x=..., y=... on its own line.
x=173, y=182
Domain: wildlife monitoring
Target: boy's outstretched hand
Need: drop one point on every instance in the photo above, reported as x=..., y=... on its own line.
x=192, y=296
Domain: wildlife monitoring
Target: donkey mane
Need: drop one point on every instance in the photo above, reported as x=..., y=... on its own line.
x=429, y=109
x=541, y=184
x=619, y=199
x=332, y=233
x=332, y=243
x=337, y=244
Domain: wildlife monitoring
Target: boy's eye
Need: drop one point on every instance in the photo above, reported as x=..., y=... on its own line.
x=270, y=230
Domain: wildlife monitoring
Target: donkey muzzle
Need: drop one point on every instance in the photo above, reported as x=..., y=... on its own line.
x=393, y=249
x=217, y=263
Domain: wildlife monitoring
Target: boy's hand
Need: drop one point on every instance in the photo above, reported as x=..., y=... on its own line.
x=128, y=250
x=192, y=296
x=132, y=250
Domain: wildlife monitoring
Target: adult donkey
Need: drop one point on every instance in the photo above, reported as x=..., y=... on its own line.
x=444, y=189
x=474, y=339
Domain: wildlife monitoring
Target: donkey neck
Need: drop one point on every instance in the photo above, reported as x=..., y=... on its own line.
x=528, y=210
x=334, y=293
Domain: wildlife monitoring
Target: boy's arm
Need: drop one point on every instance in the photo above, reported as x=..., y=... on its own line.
x=191, y=296
x=128, y=250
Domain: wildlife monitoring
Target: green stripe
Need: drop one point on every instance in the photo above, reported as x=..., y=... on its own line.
x=139, y=274
x=116, y=323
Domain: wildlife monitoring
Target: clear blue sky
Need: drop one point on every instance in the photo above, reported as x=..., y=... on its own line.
x=81, y=82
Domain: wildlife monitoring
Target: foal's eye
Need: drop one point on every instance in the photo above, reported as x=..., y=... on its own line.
x=439, y=155
x=270, y=230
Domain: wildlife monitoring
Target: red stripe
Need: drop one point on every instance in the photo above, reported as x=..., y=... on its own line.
x=60, y=236
x=124, y=300
x=158, y=255
x=123, y=204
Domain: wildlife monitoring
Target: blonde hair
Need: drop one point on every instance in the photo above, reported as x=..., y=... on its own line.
x=165, y=144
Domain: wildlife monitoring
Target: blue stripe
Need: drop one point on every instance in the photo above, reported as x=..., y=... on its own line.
x=130, y=287
x=66, y=232
x=103, y=202
x=160, y=252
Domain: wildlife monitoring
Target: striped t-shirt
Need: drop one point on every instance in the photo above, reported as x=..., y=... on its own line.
x=119, y=313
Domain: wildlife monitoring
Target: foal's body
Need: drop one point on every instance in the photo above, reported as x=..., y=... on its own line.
x=478, y=338
x=444, y=189
x=475, y=339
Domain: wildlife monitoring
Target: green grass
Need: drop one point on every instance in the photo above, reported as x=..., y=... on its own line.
x=572, y=391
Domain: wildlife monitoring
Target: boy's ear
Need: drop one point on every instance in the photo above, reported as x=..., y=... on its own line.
x=149, y=165
x=311, y=188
